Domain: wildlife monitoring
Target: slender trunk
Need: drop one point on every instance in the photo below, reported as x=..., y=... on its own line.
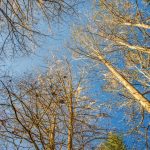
x=140, y=25
x=122, y=42
x=70, y=126
x=134, y=47
x=134, y=92
x=52, y=134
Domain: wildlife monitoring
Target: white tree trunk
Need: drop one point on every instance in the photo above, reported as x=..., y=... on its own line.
x=134, y=92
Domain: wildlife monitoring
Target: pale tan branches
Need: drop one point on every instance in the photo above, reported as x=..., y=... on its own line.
x=122, y=26
x=106, y=39
x=93, y=39
x=48, y=112
x=140, y=25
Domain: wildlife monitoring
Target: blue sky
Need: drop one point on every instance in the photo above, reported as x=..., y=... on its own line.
x=55, y=45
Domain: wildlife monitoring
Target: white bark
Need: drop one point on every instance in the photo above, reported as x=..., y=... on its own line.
x=122, y=42
x=134, y=47
x=140, y=25
x=145, y=103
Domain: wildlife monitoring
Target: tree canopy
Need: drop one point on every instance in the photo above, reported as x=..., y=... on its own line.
x=92, y=93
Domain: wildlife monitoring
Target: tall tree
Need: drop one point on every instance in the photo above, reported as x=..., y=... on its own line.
x=50, y=112
x=116, y=28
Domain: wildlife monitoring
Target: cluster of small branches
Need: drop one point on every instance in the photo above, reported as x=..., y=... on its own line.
x=21, y=22
x=49, y=112
x=117, y=36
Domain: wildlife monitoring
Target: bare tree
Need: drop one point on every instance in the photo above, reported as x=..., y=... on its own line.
x=117, y=36
x=21, y=22
x=51, y=112
x=109, y=32
x=127, y=18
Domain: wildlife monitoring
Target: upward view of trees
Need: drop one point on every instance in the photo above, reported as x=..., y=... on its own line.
x=21, y=22
x=84, y=105
x=50, y=112
x=120, y=31
x=116, y=33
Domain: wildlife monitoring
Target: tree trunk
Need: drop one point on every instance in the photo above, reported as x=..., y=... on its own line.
x=134, y=92
x=70, y=126
x=52, y=134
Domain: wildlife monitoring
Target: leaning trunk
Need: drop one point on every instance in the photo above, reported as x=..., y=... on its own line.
x=145, y=103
